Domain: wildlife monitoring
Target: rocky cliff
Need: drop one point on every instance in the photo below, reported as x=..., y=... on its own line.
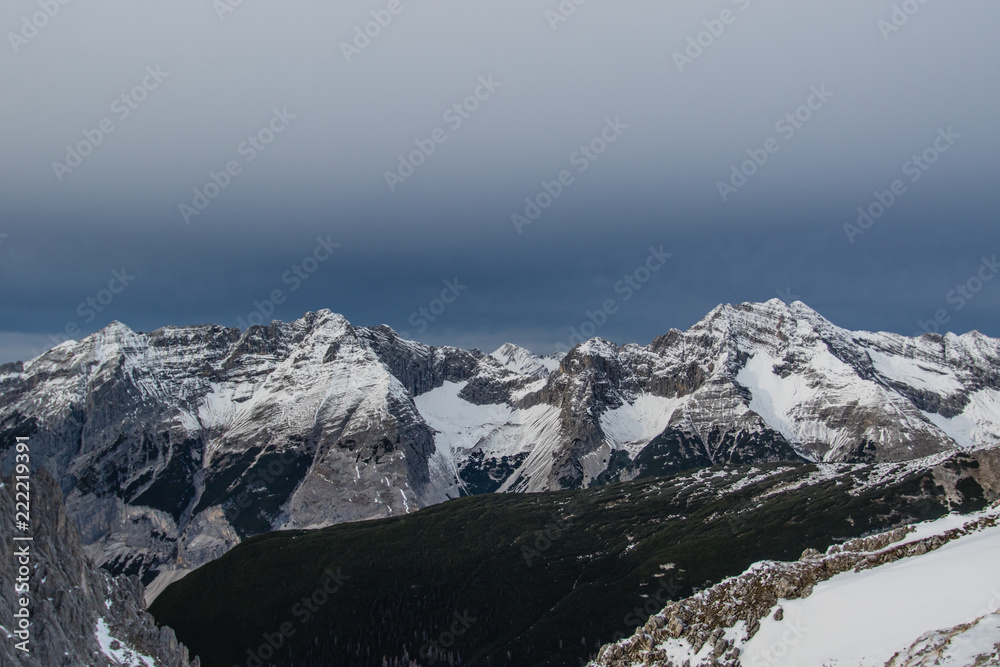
x=80, y=615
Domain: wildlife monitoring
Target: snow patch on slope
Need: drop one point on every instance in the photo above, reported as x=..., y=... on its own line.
x=911, y=372
x=522, y=361
x=978, y=423
x=459, y=425
x=117, y=651
x=862, y=618
x=956, y=647
x=535, y=430
x=782, y=402
x=633, y=425
x=496, y=430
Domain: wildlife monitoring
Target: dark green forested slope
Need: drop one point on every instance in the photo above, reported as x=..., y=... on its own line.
x=539, y=579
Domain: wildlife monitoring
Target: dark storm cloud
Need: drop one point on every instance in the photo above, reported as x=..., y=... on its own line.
x=227, y=149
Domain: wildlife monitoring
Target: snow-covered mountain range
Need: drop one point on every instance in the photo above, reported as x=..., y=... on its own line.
x=175, y=445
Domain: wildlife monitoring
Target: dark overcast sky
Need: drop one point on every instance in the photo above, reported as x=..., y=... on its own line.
x=676, y=135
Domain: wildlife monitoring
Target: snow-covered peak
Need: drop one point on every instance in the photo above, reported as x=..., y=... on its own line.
x=599, y=347
x=113, y=334
x=744, y=322
x=325, y=319
x=521, y=361
x=116, y=328
x=751, y=382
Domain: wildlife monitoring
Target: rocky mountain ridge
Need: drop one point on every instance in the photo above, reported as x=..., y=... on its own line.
x=175, y=445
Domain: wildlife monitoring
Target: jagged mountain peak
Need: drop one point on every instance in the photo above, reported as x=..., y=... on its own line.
x=509, y=351
x=599, y=346
x=774, y=313
x=522, y=361
x=115, y=333
x=115, y=328
x=155, y=436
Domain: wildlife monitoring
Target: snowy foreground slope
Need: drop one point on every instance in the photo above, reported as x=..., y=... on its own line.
x=924, y=595
x=174, y=446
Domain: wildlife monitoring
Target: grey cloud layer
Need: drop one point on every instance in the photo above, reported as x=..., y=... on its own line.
x=699, y=85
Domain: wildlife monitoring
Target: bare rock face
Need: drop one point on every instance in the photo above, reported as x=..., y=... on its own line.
x=420, y=368
x=80, y=614
x=173, y=446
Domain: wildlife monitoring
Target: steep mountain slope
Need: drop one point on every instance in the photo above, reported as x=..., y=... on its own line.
x=523, y=362
x=541, y=579
x=174, y=446
x=750, y=383
x=923, y=595
x=972, y=644
x=79, y=614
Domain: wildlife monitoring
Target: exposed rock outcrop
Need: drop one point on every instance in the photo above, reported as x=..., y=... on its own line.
x=80, y=615
x=715, y=623
x=951, y=646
